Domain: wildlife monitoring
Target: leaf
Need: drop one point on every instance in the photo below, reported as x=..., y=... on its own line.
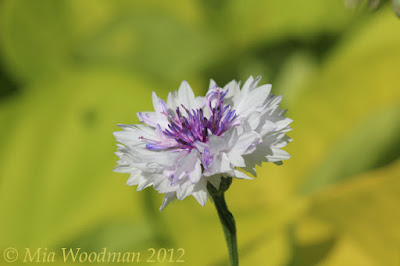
x=152, y=37
x=57, y=179
x=396, y=7
x=35, y=37
x=151, y=44
x=370, y=145
x=7, y=114
x=365, y=211
x=357, y=81
x=269, y=21
x=312, y=254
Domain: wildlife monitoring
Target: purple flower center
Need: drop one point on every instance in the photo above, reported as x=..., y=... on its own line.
x=194, y=127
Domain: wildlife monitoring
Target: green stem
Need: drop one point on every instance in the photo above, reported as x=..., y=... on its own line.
x=226, y=218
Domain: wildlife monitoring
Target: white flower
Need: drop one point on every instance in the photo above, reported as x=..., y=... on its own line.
x=189, y=141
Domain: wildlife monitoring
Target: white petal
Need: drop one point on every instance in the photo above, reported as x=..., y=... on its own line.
x=195, y=175
x=186, y=95
x=201, y=146
x=254, y=99
x=255, y=83
x=128, y=137
x=201, y=197
x=148, y=118
x=155, y=100
x=220, y=164
x=163, y=184
x=273, y=101
x=189, y=164
x=240, y=174
x=185, y=190
x=283, y=142
x=236, y=159
x=133, y=179
x=200, y=193
x=246, y=85
x=123, y=168
x=233, y=95
x=172, y=102
x=283, y=123
x=217, y=143
x=225, y=164
x=199, y=102
x=233, y=88
x=144, y=182
x=250, y=169
x=278, y=155
x=168, y=198
x=244, y=141
x=254, y=120
x=212, y=84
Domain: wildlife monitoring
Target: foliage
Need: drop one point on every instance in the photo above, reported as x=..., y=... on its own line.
x=71, y=70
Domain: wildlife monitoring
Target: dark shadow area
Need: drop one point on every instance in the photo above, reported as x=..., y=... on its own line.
x=310, y=254
x=8, y=86
x=273, y=56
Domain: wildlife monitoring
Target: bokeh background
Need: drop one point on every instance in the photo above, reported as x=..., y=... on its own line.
x=70, y=70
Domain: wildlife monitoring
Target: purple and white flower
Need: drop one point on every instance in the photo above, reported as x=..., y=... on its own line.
x=189, y=141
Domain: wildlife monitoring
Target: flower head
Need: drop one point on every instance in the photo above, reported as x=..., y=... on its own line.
x=189, y=141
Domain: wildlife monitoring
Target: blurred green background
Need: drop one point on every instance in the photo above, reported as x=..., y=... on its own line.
x=70, y=70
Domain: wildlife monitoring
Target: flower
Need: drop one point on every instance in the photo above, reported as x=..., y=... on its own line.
x=189, y=141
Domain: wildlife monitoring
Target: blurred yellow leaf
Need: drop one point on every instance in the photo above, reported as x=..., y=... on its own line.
x=56, y=183
x=358, y=80
x=8, y=118
x=154, y=38
x=256, y=21
x=366, y=147
x=365, y=210
x=330, y=110
x=35, y=37
x=57, y=180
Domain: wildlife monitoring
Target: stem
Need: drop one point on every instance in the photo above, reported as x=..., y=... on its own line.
x=226, y=218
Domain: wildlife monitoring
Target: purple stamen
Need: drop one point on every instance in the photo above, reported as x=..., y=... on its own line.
x=206, y=158
x=183, y=131
x=154, y=146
